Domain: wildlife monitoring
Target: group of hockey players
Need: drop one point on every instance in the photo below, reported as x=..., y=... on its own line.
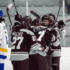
x=36, y=43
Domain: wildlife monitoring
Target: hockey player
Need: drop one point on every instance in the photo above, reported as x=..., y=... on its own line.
x=46, y=21
x=22, y=40
x=56, y=29
x=3, y=41
x=38, y=58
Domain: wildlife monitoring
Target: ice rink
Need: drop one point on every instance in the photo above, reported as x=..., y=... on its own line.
x=64, y=64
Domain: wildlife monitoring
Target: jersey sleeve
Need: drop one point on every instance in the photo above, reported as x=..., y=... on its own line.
x=55, y=35
x=3, y=46
x=1, y=32
x=62, y=33
x=51, y=36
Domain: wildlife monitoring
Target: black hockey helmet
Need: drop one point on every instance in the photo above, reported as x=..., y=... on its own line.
x=16, y=26
x=61, y=24
x=36, y=22
x=46, y=17
x=26, y=21
x=53, y=21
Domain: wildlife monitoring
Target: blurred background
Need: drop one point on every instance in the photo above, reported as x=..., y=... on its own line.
x=41, y=7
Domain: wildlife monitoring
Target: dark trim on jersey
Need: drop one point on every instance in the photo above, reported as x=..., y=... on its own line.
x=19, y=52
x=56, y=50
x=27, y=31
x=43, y=28
x=55, y=47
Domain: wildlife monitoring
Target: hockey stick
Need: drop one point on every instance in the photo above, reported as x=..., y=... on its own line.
x=35, y=14
x=66, y=2
x=15, y=6
x=42, y=29
x=17, y=17
x=58, y=10
x=67, y=20
x=7, y=9
x=68, y=13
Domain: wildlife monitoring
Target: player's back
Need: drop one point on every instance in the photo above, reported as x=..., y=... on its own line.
x=21, y=42
x=41, y=34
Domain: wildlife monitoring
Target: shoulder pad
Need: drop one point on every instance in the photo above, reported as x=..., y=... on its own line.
x=27, y=31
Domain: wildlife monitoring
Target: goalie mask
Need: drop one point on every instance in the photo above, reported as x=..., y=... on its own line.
x=27, y=19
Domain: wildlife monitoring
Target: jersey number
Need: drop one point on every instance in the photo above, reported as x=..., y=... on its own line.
x=6, y=39
x=41, y=35
x=19, y=43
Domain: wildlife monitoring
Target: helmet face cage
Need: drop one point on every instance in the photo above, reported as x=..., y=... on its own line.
x=26, y=21
x=50, y=14
x=26, y=24
x=46, y=17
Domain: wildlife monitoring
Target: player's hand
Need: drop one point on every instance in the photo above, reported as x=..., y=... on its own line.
x=42, y=48
x=18, y=17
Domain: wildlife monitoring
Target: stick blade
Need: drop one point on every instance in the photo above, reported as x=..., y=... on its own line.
x=35, y=14
x=10, y=5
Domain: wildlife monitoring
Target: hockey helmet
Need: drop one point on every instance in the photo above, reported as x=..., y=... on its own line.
x=1, y=13
x=46, y=17
x=36, y=22
x=27, y=19
x=16, y=26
